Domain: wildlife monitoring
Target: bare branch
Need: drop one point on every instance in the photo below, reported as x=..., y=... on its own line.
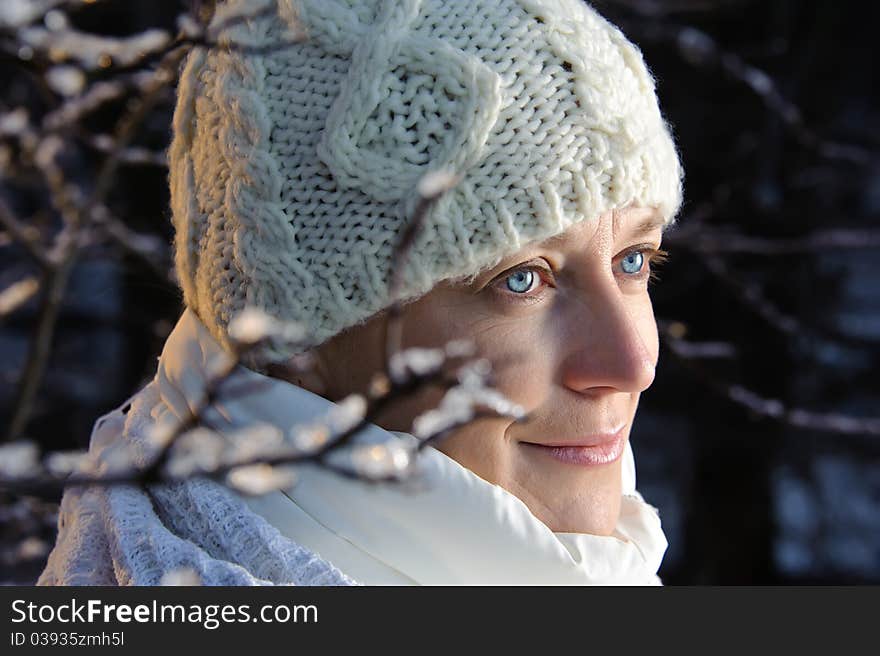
x=27, y=236
x=161, y=469
x=729, y=240
x=699, y=49
x=131, y=155
x=766, y=407
x=77, y=215
x=429, y=190
x=152, y=251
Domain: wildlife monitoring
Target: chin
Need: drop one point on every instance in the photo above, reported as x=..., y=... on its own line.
x=594, y=511
x=600, y=523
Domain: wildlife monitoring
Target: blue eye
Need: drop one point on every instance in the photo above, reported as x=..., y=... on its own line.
x=633, y=262
x=521, y=281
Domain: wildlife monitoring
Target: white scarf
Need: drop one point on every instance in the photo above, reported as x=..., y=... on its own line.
x=456, y=528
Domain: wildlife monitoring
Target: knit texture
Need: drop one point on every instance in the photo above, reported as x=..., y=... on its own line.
x=294, y=166
x=125, y=535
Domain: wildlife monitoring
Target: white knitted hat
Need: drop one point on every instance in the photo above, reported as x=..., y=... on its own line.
x=294, y=168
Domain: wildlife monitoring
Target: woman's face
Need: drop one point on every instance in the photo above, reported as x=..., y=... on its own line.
x=569, y=327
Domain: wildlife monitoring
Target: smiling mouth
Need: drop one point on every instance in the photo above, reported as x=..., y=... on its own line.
x=588, y=452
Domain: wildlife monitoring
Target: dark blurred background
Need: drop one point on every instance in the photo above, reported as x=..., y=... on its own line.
x=759, y=441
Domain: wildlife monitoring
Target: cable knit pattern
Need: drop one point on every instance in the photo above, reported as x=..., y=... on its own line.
x=293, y=168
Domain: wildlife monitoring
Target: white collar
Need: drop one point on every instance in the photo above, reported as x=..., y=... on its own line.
x=456, y=528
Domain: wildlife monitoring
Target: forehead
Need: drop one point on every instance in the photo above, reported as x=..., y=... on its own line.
x=628, y=222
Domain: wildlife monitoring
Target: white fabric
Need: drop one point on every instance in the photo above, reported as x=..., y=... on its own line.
x=445, y=526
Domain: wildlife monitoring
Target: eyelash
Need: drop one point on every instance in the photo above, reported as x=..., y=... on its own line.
x=655, y=257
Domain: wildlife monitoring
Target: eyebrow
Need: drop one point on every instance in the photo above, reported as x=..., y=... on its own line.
x=649, y=225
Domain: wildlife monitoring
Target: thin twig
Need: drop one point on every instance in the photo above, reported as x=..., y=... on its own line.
x=718, y=239
x=77, y=217
x=24, y=235
x=774, y=409
x=155, y=471
x=430, y=189
x=149, y=249
x=699, y=49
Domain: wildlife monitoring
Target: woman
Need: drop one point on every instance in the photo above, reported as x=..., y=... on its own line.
x=294, y=174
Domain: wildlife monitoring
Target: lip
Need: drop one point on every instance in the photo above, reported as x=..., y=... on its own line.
x=588, y=451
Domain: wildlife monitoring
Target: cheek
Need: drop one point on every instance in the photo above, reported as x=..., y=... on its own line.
x=522, y=357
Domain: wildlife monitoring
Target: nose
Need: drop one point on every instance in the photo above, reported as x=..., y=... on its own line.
x=610, y=351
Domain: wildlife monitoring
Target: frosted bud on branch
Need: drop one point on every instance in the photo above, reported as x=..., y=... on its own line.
x=17, y=294
x=380, y=460
x=459, y=403
x=31, y=548
x=498, y=403
x=47, y=151
x=188, y=26
x=309, y=439
x=160, y=434
x=199, y=450
x=92, y=51
x=19, y=459
x=181, y=576
x=347, y=413
x=254, y=442
x=14, y=122
x=117, y=458
x=416, y=360
x=55, y=20
x=62, y=463
x=455, y=408
x=16, y=13
x=695, y=46
x=433, y=184
x=460, y=348
x=474, y=373
x=261, y=478
x=253, y=325
x=250, y=326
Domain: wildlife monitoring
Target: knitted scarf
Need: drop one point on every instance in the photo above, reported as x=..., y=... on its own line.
x=451, y=527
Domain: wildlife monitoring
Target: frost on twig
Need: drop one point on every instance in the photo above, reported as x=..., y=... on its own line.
x=436, y=183
x=63, y=463
x=66, y=80
x=253, y=325
x=381, y=461
x=197, y=451
x=91, y=51
x=18, y=13
x=181, y=576
x=461, y=403
x=261, y=478
x=13, y=122
x=19, y=459
x=17, y=294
